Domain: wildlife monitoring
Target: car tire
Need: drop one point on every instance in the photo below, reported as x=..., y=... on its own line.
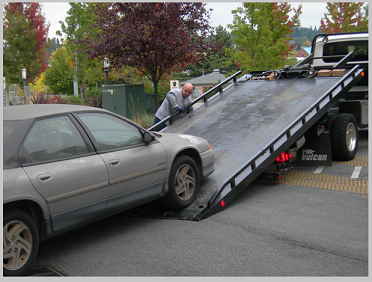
x=344, y=137
x=20, y=242
x=184, y=181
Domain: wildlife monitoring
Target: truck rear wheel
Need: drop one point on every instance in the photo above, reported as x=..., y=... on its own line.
x=344, y=137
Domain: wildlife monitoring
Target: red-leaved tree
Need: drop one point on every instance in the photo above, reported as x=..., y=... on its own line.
x=344, y=17
x=152, y=37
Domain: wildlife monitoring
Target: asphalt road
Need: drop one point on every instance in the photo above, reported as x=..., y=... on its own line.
x=313, y=223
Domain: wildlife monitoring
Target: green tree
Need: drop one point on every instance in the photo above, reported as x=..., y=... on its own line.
x=78, y=27
x=262, y=34
x=59, y=76
x=218, y=60
x=24, y=41
x=303, y=34
x=345, y=17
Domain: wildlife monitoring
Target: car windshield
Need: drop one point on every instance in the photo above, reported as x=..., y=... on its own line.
x=8, y=128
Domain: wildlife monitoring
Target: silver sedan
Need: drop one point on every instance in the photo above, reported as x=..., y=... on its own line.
x=65, y=166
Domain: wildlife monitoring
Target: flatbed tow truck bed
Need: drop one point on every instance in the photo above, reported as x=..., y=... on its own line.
x=248, y=125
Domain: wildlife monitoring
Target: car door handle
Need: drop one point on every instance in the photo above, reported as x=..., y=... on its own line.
x=43, y=177
x=113, y=163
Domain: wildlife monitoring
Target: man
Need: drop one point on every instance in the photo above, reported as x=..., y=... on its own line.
x=176, y=100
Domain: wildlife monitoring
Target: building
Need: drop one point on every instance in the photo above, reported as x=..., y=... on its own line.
x=203, y=82
x=303, y=53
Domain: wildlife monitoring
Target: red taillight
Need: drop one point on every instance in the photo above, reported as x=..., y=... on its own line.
x=222, y=203
x=284, y=157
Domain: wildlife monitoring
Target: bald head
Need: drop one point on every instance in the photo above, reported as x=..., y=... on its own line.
x=187, y=90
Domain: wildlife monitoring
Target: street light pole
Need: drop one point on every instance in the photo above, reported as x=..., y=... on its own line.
x=106, y=67
x=24, y=84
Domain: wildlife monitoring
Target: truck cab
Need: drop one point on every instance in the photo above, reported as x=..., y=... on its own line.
x=328, y=50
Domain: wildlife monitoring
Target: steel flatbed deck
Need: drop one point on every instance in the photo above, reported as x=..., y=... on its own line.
x=248, y=125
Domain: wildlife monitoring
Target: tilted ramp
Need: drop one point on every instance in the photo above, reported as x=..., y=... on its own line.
x=248, y=125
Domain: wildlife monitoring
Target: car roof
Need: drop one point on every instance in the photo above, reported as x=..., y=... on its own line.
x=22, y=112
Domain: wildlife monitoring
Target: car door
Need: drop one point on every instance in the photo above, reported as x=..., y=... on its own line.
x=136, y=169
x=71, y=177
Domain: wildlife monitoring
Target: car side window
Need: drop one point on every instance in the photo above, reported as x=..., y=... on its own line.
x=111, y=132
x=54, y=138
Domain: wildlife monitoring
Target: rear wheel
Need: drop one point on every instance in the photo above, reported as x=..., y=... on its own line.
x=183, y=183
x=344, y=137
x=20, y=242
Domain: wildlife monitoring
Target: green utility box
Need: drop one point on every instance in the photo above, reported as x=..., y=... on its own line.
x=126, y=99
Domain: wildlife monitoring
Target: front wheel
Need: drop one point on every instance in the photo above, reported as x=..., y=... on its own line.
x=344, y=137
x=183, y=183
x=20, y=242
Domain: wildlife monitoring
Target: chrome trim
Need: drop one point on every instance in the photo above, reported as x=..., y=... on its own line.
x=76, y=192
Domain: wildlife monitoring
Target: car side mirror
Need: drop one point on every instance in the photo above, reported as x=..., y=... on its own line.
x=148, y=137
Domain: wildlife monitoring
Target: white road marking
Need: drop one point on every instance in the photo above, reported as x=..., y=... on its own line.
x=319, y=169
x=356, y=172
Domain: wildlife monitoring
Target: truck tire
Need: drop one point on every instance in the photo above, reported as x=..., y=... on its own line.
x=330, y=117
x=20, y=242
x=344, y=137
x=184, y=181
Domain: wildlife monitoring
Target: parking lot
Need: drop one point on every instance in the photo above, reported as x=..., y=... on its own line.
x=314, y=222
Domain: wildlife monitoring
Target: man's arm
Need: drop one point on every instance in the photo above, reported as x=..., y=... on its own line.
x=171, y=97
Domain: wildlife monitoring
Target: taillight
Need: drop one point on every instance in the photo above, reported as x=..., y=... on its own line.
x=284, y=157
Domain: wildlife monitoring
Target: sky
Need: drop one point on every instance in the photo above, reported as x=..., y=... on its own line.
x=312, y=12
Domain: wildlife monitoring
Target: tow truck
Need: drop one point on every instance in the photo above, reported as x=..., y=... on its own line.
x=265, y=118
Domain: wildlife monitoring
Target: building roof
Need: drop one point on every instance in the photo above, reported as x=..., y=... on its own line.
x=207, y=79
x=304, y=52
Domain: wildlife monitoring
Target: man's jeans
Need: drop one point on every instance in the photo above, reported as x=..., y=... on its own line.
x=156, y=120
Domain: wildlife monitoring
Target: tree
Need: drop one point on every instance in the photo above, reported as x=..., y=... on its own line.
x=344, y=17
x=78, y=27
x=25, y=34
x=216, y=60
x=39, y=88
x=262, y=34
x=303, y=34
x=152, y=37
x=58, y=77
x=53, y=45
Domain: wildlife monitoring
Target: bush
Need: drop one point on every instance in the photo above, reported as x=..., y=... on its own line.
x=39, y=99
x=74, y=100
x=139, y=114
x=57, y=99
x=163, y=89
x=48, y=99
x=93, y=94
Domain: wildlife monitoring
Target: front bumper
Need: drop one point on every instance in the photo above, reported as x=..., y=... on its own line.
x=207, y=159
